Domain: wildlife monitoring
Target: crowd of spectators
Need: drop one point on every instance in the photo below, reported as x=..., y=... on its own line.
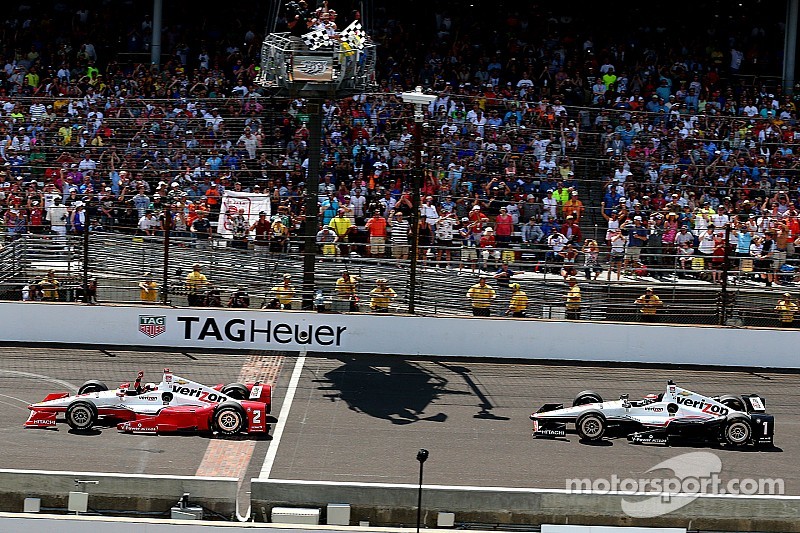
x=536, y=113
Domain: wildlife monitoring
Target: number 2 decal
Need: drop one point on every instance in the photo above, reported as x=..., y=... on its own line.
x=257, y=417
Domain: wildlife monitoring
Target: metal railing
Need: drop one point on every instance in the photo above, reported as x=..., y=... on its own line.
x=120, y=262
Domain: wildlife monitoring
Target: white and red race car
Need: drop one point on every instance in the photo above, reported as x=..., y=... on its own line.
x=174, y=405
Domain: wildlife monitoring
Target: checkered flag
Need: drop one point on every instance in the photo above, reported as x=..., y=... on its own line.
x=354, y=35
x=316, y=39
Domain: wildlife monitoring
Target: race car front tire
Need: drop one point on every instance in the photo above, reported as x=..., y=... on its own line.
x=236, y=391
x=591, y=426
x=587, y=396
x=92, y=385
x=737, y=431
x=81, y=415
x=229, y=418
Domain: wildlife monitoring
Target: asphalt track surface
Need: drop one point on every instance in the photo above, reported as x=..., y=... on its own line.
x=363, y=418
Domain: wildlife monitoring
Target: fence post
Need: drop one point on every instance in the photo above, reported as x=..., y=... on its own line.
x=165, y=282
x=723, y=316
x=86, y=225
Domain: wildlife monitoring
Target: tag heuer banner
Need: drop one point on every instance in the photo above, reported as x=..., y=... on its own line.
x=312, y=68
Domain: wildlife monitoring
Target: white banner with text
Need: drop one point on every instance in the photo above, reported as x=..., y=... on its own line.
x=207, y=328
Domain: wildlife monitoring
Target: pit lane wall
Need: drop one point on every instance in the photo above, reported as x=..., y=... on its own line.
x=129, y=492
x=397, y=503
x=237, y=329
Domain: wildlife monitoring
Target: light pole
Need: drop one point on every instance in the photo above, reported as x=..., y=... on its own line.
x=419, y=99
x=422, y=456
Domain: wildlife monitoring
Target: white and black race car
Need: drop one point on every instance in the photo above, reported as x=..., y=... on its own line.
x=676, y=414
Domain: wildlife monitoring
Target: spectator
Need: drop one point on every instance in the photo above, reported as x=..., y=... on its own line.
x=573, y=299
x=503, y=275
x=591, y=263
x=262, y=228
x=518, y=304
x=346, y=290
x=284, y=294
x=196, y=286
x=239, y=298
x=49, y=287
x=381, y=296
x=148, y=289
x=201, y=230
x=481, y=296
x=648, y=304
x=786, y=308
x=400, y=234
x=376, y=227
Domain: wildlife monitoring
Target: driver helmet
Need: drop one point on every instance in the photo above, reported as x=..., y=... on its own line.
x=514, y=286
x=149, y=386
x=651, y=397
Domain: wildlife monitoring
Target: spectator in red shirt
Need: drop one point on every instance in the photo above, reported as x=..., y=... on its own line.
x=504, y=227
x=571, y=230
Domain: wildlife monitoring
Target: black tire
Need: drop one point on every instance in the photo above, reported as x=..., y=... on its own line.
x=92, y=385
x=591, y=426
x=586, y=397
x=236, y=391
x=732, y=402
x=737, y=431
x=229, y=418
x=81, y=415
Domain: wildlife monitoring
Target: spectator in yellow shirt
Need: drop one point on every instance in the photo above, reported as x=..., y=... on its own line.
x=648, y=305
x=481, y=296
x=196, y=284
x=786, y=309
x=49, y=286
x=573, y=299
x=148, y=289
x=381, y=296
x=284, y=293
x=346, y=290
x=519, y=302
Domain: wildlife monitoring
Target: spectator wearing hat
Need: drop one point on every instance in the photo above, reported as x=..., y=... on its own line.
x=648, y=304
x=326, y=240
x=148, y=289
x=481, y=296
x=284, y=295
x=401, y=231
x=518, y=304
x=574, y=207
x=381, y=296
x=637, y=238
x=488, y=248
x=196, y=285
x=573, y=299
x=346, y=290
x=342, y=225
x=786, y=309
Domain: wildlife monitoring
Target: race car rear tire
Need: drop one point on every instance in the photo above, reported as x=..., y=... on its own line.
x=81, y=415
x=732, y=402
x=737, y=431
x=585, y=397
x=92, y=385
x=591, y=426
x=229, y=418
x=236, y=391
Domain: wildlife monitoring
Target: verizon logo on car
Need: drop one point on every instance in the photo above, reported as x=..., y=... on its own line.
x=203, y=396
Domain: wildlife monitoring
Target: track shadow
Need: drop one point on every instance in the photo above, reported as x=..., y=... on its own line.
x=485, y=406
x=392, y=389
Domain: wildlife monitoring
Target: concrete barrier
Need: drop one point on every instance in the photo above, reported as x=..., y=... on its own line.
x=395, y=503
x=128, y=492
